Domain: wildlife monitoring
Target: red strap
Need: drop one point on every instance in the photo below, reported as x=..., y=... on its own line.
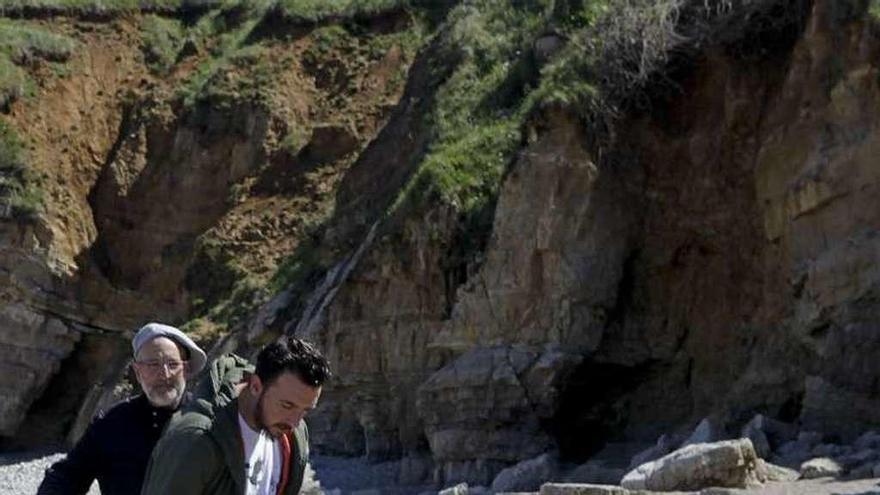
x=285, y=467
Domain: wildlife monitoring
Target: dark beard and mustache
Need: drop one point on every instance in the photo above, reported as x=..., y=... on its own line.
x=276, y=429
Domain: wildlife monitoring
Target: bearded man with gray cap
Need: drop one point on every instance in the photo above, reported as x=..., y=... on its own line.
x=116, y=447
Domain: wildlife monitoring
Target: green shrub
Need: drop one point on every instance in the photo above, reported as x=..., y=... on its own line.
x=296, y=139
x=11, y=150
x=20, y=194
x=478, y=112
x=12, y=80
x=100, y=7
x=23, y=43
x=318, y=10
x=161, y=40
x=874, y=9
x=229, y=47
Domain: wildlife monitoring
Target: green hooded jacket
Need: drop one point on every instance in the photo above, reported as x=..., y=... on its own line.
x=201, y=451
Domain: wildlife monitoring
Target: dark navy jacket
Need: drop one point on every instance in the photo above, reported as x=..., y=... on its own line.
x=115, y=450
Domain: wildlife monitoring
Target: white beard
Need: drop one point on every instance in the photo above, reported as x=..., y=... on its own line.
x=166, y=396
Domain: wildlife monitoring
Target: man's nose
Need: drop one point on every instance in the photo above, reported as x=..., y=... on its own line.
x=165, y=370
x=295, y=418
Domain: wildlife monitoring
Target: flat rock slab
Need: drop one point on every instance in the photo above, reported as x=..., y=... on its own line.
x=821, y=486
x=581, y=489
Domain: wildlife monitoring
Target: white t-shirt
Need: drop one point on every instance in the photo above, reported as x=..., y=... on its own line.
x=262, y=460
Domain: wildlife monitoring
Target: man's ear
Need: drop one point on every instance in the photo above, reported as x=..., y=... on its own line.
x=254, y=384
x=135, y=371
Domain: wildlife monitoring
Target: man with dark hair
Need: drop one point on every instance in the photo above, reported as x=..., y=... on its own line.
x=116, y=447
x=243, y=437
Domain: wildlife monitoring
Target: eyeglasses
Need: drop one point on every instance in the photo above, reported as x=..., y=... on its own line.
x=155, y=366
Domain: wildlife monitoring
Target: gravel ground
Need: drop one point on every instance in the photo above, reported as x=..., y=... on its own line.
x=21, y=473
x=345, y=475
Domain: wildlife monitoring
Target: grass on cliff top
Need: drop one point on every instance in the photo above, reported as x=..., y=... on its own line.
x=305, y=10
x=598, y=59
x=602, y=58
x=318, y=10
x=238, y=67
x=21, y=46
x=478, y=111
x=24, y=43
x=100, y=7
x=162, y=39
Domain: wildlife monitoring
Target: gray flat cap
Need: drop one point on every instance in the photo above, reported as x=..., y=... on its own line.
x=150, y=331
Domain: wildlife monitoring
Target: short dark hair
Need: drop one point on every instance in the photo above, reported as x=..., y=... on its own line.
x=296, y=356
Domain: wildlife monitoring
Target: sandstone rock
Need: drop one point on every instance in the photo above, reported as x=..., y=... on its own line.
x=459, y=489
x=542, y=379
x=771, y=472
x=839, y=409
x=777, y=432
x=705, y=432
x=32, y=346
x=765, y=433
x=330, y=142
x=475, y=408
x=759, y=439
x=795, y=452
x=809, y=438
x=527, y=475
x=595, y=472
x=476, y=472
x=864, y=471
x=868, y=440
x=852, y=459
x=665, y=444
x=579, y=489
x=731, y=463
x=829, y=450
x=820, y=467
x=415, y=470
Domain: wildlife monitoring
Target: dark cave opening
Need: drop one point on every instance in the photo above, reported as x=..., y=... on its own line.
x=51, y=416
x=593, y=407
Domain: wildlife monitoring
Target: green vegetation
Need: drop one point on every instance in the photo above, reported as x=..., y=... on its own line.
x=296, y=139
x=320, y=10
x=477, y=116
x=874, y=9
x=304, y=10
x=223, y=292
x=162, y=39
x=20, y=194
x=97, y=7
x=23, y=44
x=302, y=266
x=600, y=59
x=12, y=82
x=226, y=31
x=20, y=47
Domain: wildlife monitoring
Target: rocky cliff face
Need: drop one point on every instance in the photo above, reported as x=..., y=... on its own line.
x=716, y=260
x=149, y=185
